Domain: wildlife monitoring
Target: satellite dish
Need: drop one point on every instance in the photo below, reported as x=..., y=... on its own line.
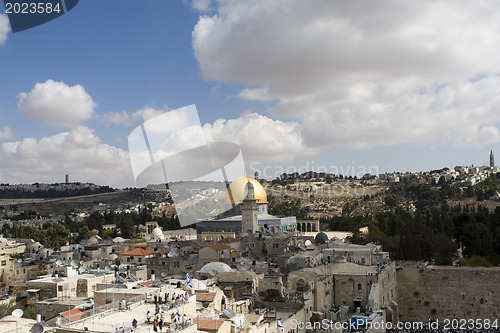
x=82, y=270
x=164, y=274
x=59, y=262
x=37, y=328
x=66, y=262
x=164, y=255
x=18, y=313
x=19, y=261
x=74, y=263
x=108, y=268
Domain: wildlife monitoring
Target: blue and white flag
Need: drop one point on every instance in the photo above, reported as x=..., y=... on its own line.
x=190, y=281
x=280, y=326
x=178, y=315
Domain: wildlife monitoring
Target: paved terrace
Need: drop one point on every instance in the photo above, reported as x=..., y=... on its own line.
x=112, y=321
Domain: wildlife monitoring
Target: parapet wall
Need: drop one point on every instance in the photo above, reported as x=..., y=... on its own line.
x=444, y=292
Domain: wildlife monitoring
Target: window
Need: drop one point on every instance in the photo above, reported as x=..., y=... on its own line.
x=360, y=287
x=4, y=262
x=140, y=259
x=252, y=245
x=176, y=264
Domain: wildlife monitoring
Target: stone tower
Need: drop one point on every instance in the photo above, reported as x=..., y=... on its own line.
x=492, y=160
x=249, y=212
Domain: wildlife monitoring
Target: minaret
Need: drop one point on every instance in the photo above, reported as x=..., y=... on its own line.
x=492, y=160
x=249, y=212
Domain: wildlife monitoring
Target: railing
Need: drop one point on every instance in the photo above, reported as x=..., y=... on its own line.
x=102, y=310
x=178, y=327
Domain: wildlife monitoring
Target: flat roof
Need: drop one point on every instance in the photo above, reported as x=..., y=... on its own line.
x=51, y=279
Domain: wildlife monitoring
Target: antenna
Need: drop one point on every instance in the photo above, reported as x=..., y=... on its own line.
x=18, y=313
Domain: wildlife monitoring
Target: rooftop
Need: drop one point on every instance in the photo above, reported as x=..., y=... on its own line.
x=219, y=247
x=140, y=251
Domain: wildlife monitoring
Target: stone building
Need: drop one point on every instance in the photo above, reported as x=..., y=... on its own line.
x=82, y=285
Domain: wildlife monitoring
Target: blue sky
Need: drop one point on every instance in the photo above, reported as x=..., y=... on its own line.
x=294, y=83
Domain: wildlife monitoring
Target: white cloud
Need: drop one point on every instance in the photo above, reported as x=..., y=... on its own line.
x=4, y=28
x=202, y=5
x=260, y=137
x=362, y=74
x=78, y=152
x=6, y=133
x=130, y=118
x=57, y=103
x=371, y=115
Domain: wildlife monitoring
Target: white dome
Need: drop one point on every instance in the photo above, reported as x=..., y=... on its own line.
x=157, y=233
x=118, y=240
x=94, y=239
x=215, y=267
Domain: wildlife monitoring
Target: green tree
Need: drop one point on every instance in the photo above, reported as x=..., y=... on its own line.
x=475, y=261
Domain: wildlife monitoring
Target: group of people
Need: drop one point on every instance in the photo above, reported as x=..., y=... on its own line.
x=164, y=300
x=177, y=322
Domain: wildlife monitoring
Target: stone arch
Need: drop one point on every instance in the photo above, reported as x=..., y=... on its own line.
x=301, y=285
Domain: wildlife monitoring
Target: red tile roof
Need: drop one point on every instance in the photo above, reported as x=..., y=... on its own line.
x=162, y=251
x=228, y=240
x=73, y=314
x=208, y=324
x=146, y=283
x=219, y=247
x=140, y=251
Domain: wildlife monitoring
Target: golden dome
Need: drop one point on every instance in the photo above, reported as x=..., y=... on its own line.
x=238, y=190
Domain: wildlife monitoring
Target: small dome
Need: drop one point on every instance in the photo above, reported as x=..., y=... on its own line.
x=238, y=190
x=118, y=240
x=321, y=238
x=157, y=233
x=215, y=267
x=94, y=240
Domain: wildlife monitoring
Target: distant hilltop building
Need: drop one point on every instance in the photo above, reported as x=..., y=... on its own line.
x=492, y=160
x=37, y=187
